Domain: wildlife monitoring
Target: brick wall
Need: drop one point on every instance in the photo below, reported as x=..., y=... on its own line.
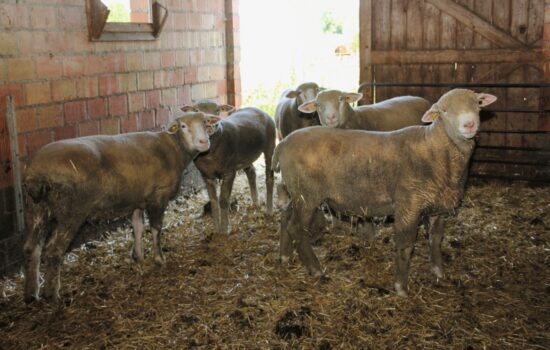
x=65, y=86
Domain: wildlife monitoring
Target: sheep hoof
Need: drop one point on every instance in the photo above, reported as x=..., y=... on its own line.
x=400, y=290
x=29, y=299
x=283, y=259
x=437, y=271
x=316, y=273
x=160, y=260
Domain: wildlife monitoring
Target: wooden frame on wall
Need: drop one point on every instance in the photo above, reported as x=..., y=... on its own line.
x=100, y=30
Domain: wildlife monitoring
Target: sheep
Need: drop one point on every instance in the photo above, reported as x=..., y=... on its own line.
x=236, y=142
x=287, y=115
x=209, y=107
x=334, y=110
x=408, y=173
x=103, y=177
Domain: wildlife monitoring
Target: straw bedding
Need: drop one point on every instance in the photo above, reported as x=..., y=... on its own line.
x=230, y=292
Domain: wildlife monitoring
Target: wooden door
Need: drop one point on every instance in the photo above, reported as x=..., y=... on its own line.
x=465, y=41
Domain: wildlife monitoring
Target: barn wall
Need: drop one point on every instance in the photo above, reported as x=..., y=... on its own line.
x=440, y=42
x=66, y=86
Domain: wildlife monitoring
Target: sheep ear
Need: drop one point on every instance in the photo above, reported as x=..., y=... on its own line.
x=227, y=108
x=352, y=97
x=308, y=107
x=431, y=114
x=188, y=108
x=211, y=119
x=172, y=127
x=485, y=99
x=293, y=94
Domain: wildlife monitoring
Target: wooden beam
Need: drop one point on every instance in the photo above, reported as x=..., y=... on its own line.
x=365, y=48
x=459, y=56
x=477, y=24
x=16, y=165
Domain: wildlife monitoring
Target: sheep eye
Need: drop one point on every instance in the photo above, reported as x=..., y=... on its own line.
x=183, y=126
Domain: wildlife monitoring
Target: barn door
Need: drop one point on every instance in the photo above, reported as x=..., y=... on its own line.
x=465, y=41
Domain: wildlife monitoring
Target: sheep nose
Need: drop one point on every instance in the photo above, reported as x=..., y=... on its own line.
x=469, y=125
x=203, y=141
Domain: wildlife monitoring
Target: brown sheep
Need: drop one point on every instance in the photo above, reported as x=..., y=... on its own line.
x=236, y=142
x=287, y=115
x=70, y=181
x=408, y=173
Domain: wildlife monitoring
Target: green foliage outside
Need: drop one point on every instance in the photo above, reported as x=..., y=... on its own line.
x=330, y=26
x=266, y=97
x=119, y=13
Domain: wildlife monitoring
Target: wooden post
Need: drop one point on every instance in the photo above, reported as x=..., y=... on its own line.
x=16, y=166
x=365, y=49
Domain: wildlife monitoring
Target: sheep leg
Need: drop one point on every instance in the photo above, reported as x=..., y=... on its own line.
x=225, y=195
x=213, y=196
x=251, y=176
x=54, y=255
x=285, y=243
x=436, y=236
x=406, y=229
x=156, y=215
x=32, y=250
x=269, y=183
x=300, y=224
x=365, y=231
x=137, y=223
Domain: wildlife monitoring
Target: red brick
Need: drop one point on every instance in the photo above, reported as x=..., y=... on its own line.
x=86, y=87
x=191, y=75
x=37, y=42
x=26, y=120
x=20, y=69
x=145, y=80
x=97, y=108
x=129, y=123
x=168, y=59
x=136, y=101
x=88, y=128
x=80, y=43
x=183, y=95
x=169, y=97
x=152, y=99
x=65, y=132
x=22, y=144
x=94, y=65
x=75, y=112
x=134, y=61
x=151, y=60
x=74, y=66
x=38, y=139
x=50, y=116
x=73, y=17
x=146, y=120
x=118, y=105
x=8, y=44
x=222, y=88
x=179, y=21
x=43, y=17
x=110, y=126
x=38, y=93
x=16, y=91
x=48, y=67
x=162, y=117
x=108, y=85
x=140, y=17
x=127, y=82
x=14, y=16
x=63, y=90
x=159, y=79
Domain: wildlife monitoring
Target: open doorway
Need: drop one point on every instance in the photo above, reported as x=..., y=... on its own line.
x=286, y=42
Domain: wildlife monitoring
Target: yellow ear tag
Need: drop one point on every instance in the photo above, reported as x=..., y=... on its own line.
x=173, y=129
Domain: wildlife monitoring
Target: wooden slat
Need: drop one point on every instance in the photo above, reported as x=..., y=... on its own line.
x=536, y=21
x=128, y=27
x=484, y=10
x=501, y=14
x=475, y=22
x=414, y=24
x=519, y=19
x=16, y=164
x=431, y=25
x=365, y=40
x=448, y=32
x=451, y=56
x=381, y=20
x=398, y=24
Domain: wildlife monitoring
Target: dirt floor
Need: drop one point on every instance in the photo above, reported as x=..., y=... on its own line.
x=230, y=292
